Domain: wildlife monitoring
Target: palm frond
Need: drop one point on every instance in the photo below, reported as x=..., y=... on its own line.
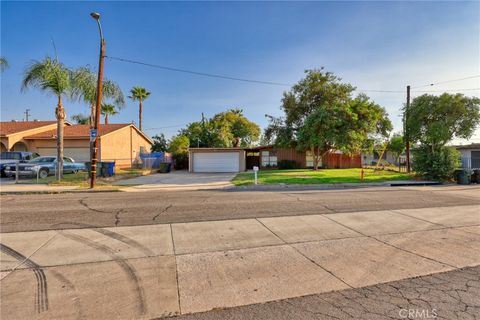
x=48, y=75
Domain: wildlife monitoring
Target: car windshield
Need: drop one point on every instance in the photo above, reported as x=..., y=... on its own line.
x=10, y=156
x=43, y=160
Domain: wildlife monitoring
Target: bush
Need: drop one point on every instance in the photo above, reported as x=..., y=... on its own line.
x=438, y=165
x=287, y=164
x=180, y=161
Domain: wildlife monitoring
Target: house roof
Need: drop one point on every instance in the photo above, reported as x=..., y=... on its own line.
x=12, y=127
x=82, y=131
x=469, y=146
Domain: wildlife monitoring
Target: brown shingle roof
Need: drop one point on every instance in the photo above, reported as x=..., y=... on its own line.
x=79, y=131
x=10, y=127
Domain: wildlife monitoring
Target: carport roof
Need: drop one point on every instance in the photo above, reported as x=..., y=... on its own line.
x=215, y=149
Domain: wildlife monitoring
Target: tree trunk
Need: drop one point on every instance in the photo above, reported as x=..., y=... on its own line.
x=60, y=114
x=315, y=158
x=106, y=118
x=140, y=109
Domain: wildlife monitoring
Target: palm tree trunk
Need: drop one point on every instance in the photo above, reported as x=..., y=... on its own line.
x=60, y=114
x=140, y=109
x=106, y=118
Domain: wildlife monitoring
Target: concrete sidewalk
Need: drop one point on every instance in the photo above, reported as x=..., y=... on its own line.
x=143, y=272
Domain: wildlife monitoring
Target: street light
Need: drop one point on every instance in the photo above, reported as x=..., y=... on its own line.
x=94, y=135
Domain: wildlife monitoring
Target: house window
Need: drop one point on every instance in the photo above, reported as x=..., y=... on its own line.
x=309, y=160
x=269, y=159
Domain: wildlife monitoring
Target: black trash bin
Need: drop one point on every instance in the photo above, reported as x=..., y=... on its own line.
x=100, y=169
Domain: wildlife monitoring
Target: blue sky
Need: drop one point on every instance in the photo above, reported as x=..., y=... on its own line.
x=372, y=45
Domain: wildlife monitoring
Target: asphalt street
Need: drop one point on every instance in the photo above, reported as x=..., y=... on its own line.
x=450, y=295
x=82, y=210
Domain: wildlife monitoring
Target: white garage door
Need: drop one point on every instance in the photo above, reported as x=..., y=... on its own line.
x=78, y=154
x=216, y=162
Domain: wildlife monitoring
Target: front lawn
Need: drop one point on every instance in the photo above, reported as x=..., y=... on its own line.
x=307, y=176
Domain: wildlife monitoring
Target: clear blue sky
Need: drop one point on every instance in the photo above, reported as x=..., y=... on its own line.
x=373, y=45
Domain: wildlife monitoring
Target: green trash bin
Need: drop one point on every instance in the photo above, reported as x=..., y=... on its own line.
x=463, y=176
x=100, y=166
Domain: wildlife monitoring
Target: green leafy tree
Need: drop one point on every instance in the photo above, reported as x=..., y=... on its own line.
x=80, y=119
x=431, y=123
x=85, y=88
x=52, y=77
x=139, y=94
x=234, y=129
x=179, y=145
x=160, y=144
x=108, y=110
x=3, y=64
x=396, y=145
x=435, y=120
x=321, y=115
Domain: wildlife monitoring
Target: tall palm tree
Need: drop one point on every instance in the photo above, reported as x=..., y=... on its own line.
x=108, y=110
x=51, y=76
x=139, y=94
x=3, y=64
x=85, y=87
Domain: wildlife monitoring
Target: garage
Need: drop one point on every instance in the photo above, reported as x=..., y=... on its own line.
x=216, y=160
x=77, y=154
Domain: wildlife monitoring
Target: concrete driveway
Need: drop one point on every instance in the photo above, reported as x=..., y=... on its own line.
x=178, y=180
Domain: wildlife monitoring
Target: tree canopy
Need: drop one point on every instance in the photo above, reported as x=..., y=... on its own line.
x=436, y=120
x=322, y=115
x=225, y=129
x=160, y=144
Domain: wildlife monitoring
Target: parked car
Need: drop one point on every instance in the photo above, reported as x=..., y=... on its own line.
x=44, y=166
x=12, y=157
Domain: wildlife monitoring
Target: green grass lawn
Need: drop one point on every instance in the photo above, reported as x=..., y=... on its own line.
x=307, y=176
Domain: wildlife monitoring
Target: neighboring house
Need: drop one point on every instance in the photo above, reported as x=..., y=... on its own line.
x=121, y=143
x=369, y=159
x=241, y=159
x=470, y=155
x=12, y=133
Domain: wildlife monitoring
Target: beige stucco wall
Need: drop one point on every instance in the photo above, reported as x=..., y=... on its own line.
x=10, y=140
x=123, y=146
x=241, y=154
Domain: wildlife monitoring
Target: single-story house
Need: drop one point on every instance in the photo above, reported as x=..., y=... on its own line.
x=370, y=159
x=241, y=159
x=12, y=133
x=470, y=155
x=121, y=143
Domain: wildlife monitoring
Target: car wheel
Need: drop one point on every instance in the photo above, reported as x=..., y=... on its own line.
x=43, y=173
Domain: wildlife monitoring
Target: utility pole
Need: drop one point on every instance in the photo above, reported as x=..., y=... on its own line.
x=406, y=133
x=27, y=114
x=93, y=175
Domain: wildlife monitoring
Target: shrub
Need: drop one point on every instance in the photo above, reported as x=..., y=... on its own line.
x=180, y=161
x=287, y=164
x=438, y=165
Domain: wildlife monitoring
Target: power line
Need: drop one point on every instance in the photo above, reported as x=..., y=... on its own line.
x=447, y=81
x=211, y=75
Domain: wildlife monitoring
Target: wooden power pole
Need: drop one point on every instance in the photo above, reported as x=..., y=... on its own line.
x=406, y=133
